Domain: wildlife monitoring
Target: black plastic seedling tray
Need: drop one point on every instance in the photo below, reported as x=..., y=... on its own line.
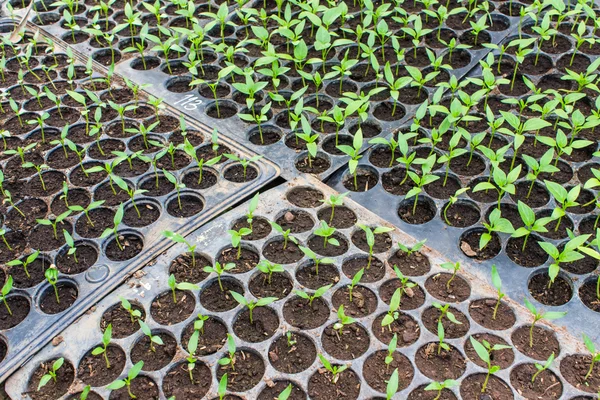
x=575, y=169
x=99, y=279
x=299, y=197
x=175, y=90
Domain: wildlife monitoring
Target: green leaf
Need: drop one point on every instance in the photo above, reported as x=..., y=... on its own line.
x=135, y=370
x=480, y=350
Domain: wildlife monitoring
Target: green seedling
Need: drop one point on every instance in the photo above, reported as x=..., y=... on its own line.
x=497, y=283
x=440, y=386
x=496, y=224
x=93, y=205
x=392, y=385
x=51, y=374
x=392, y=313
x=178, y=185
x=3, y=235
x=244, y=162
x=54, y=223
x=570, y=253
x=183, y=286
x=595, y=355
x=252, y=304
x=251, y=209
x=405, y=284
x=191, y=359
x=153, y=339
x=318, y=293
x=410, y=250
x=290, y=341
x=51, y=275
x=133, y=313
x=355, y=280
x=441, y=336
x=315, y=259
x=541, y=368
x=565, y=199
x=71, y=244
x=131, y=375
x=8, y=199
x=484, y=350
x=454, y=267
x=236, y=239
x=453, y=199
x=285, y=234
x=268, y=268
x=231, y=349
x=222, y=389
x=370, y=236
x=334, y=200
x=325, y=231
x=85, y=392
x=285, y=394
x=538, y=316
x=103, y=349
x=218, y=269
x=335, y=370
x=391, y=350
x=530, y=223
x=343, y=320
x=445, y=312
x=199, y=323
x=6, y=288
x=117, y=219
x=354, y=153
x=177, y=238
x=30, y=259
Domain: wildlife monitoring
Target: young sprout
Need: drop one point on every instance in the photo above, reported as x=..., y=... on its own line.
x=116, y=222
x=355, y=280
x=231, y=349
x=153, y=339
x=441, y=336
x=595, y=355
x=285, y=394
x=8, y=199
x=484, y=350
x=497, y=282
x=325, y=231
x=454, y=267
x=569, y=253
x=51, y=275
x=414, y=249
x=370, y=235
x=131, y=375
x=563, y=198
x=251, y=209
x=236, y=239
x=541, y=368
x=311, y=254
x=252, y=304
x=290, y=341
x=245, y=162
x=504, y=183
x=445, y=312
x=335, y=370
x=333, y=201
x=179, y=286
x=392, y=385
x=30, y=258
x=106, y=338
x=71, y=243
x=354, y=153
x=453, y=199
x=177, y=238
x=217, y=269
x=318, y=293
x=178, y=185
x=51, y=374
x=3, y=235
x=285, y=234
x=268, y=268
x=85, y=392
x=222, y=390
x=54, y=224
x=496, y=224
x=391, y=350
x=538, y=316
x=440, y=386
x=343, y=320
x=191, y=359
x=530, y=223
x=405, y=284
x=133, y=314
x=392, y=313
x=6, y=288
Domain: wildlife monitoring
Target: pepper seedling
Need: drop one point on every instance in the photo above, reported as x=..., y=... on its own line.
x=178, y=185
x=453, y=199
x=268, y=268
x=355, y=280
x=51, y=275
x=285, y=394
x=3, y=236
x=236, y=239
x=484, y=350
x=252, y=304
x=445, y=312
x=116, y=222
x=392, y=385
x=496, y=224
x=93, y=205
x=131, y=375
x=191, y=359
x=85, y=392
x=231, y=349
x=177, y=238
x=538, y=316
x=569, y=253
x=392, y=313
x=103, y=349
x=6, y=288
x=343, y=320
x=316, y=260
x=183, y=286
x=199, y=323
x=218, y=269
x=497, y=283
x=244, y=162
x=222, y=389
x=285, y=234
x=251, y=209
x=414, y=249
x=565, y=199
x=335, y=370
x=530, y=223
x=318, y=293
x=30, y=258
x=325, y=231
x=440, y=386
x=391, y=350
x=54, y=224
x=334, y=200
x=354, y=153
x=441, y=336
x=71, y=244
x=504, y=183
x=152, y=338
x=370, y=236
x=541, y=368
x=454, y=267
x=290, y=342
x=51, y=374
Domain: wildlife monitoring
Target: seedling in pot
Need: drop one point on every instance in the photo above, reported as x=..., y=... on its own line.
x=497, y=283
x=103, y=349
x=530, y=223
x=213, y=86
x=391, y=350
x=6, y=288
x=453, y=199
x=231, y=349
x=445, y=312
x=562, y=145
x=285, y=234
x=189, y=149
x=21, y=151
x=153, y=339
x=38, y=169
x=40, y=122
x=131, y=192
x=178, y=185
x=392, y=313
x=334, y=200
x=85, y=392
x=117, y=219
x=71, y=244
x=131, y=375
x=422, y=180
x=108, y=169
x=538, y=316
x=217, y=269
x=496, y=224
x=370, y=236
x=290, y=342
x=285, y=394
x=174, y=285
x=245, y=162
x=30, y=258
x=504, y=183
x=441, y=336
x=311, y=254
x=51, y=374
x=268, y=268
x=318, y=293
x=343, y=320
x=199, y=323
x=569, y=253
x=354, y=154
x=252, y=304
x=410, y=250
x=335, y=370
x=51, y=275
x=191, y=359
x=440, y=386
x=177, y=238
x=236, y=239
x=541, y=368
x=454, y=267
x=392, y=385
x=563, y=198
x=251, y=209
x=3, y=235
x=484, y=350
x=326, y=232
x=355, y=281
x=133, y=314
x=93, y=205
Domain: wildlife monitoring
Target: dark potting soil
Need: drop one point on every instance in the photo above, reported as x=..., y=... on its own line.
x=421, y=394
x=167, y=310
x=279, y=286
x=383, y=241
x=430, y=318
x=316, y=165
x=461, y=214
x=531, y=256
x=404, y=326
x=413, y=264
x=376, y=372
x=305, y=197
x=365, y=180
x=93, y=370
x=149, y=213
x=214, y=299
x=588, y=295
x=497, y=389
x=36, y=271
x=300, y=314
x=236, y=174
x=280, y=252
x=411, y=298
x=86, y=257
x=424, y=212
x=350, y=342
x=469, y=244
x=264, y=324
x=54, y=389
x=545, y=386
x=574, y=369
x=289, y=357
x=364, y=301
x=209, y=179
x=322, y=387
x=210, y=340
x=248, y=372
x=143, y=387
x=246, y=262
x=552, y=294
x=448, y=364
x=177, y=381
x=132, y=246
x=373, y=272
x=189, y=270
x=122, y=324
x=327, y=274
x=343, y=217
x=185, y=206
x=297, y=221
x=273, y=389
x=19, y=307
x=544, y=342
x=317, y=244
x=458, y=290
x=157, y=359
x=482, y=312
x=67, y=294
x=260, y=227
